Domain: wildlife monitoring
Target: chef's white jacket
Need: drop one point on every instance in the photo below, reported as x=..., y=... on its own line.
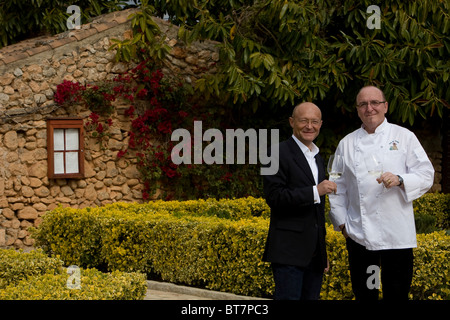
x=375, y=217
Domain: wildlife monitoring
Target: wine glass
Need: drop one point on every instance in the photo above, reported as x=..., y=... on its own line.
x=374, y=165
x=335, y=167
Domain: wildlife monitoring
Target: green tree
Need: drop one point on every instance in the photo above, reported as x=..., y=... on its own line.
x=274, y=53
x=24, y=19
x=407, y=56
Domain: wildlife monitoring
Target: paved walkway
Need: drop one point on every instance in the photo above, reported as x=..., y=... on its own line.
x=169, y=291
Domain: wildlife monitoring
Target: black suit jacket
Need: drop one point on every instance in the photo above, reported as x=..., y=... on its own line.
x=297, y=225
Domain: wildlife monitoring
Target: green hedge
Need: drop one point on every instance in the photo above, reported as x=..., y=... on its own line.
x=18, y=265
x=434, y=207
x=35, y=276
x=233, y=209
x=191, y=250
x=163, y=239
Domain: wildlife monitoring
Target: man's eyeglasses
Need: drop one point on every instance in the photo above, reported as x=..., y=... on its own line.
x=373, y=103
x=314, y=122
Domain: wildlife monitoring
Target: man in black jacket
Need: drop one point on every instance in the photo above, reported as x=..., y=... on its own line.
x=296, y=195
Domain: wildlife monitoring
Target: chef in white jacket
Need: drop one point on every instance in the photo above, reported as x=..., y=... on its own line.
x=375, y=213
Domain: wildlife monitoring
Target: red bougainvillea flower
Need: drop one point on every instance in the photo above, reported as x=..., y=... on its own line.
x=165, y=127
x=227, y=176
x=100, y=128
x=183, y=114
x=142, y=93
x=94, y=117
x=130, y=112
x=121, y=153
x=68, y=91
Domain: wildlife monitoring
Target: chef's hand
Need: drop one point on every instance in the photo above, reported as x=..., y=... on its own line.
x=389, y=180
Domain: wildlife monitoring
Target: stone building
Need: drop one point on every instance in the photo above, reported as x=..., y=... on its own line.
x=46, y=158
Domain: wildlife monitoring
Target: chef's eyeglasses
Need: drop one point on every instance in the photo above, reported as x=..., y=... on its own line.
x=373, y=103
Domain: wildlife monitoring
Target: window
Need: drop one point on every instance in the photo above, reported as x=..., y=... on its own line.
x=65, y=146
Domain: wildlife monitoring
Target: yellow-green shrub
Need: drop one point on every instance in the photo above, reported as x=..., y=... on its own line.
x=164, y=239
x=18, y=265
x=35, y=276
x=436, y=205
x=233, y=209
x=336, y=282
x=95, y=285
x=74, y=235
x=431, y=278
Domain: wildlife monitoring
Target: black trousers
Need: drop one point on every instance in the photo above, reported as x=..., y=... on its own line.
x=396, y=267
x=298, y=283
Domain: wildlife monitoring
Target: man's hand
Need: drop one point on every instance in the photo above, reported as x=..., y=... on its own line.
x=327, y=267
x=344, y=232
x=326, y=187
x=389, y=180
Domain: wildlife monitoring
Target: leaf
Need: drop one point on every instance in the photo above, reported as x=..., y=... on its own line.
x=283, y=10
x=232, y=32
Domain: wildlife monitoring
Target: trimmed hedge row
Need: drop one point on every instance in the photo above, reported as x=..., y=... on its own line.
x=436, y=205
x=200, y=251
x=163, y=239
x=431, y=273
x=233, y=209
x=35, y=276
x=432, y=210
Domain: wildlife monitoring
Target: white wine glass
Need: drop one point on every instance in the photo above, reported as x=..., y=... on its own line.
x=335, y=167
x=374, y=166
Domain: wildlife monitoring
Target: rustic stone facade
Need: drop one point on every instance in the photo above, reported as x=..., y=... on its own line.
x=29, y=74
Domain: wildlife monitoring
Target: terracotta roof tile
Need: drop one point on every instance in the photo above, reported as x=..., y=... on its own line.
x=9, y=58
x=29, y=47
x=83, y=34
x=60, y=42
x=122, y=18
x=37, y=50
x=104, y=26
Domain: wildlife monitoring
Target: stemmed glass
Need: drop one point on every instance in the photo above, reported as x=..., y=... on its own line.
x=374, y=165
x=335, y=166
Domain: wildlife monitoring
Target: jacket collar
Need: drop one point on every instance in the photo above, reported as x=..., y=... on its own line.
x=300, y=159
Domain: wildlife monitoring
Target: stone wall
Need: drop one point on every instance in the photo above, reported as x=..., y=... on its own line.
x=430, y=136
x=29, y=74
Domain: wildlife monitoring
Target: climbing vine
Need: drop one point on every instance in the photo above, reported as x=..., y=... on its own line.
x=159, y=104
